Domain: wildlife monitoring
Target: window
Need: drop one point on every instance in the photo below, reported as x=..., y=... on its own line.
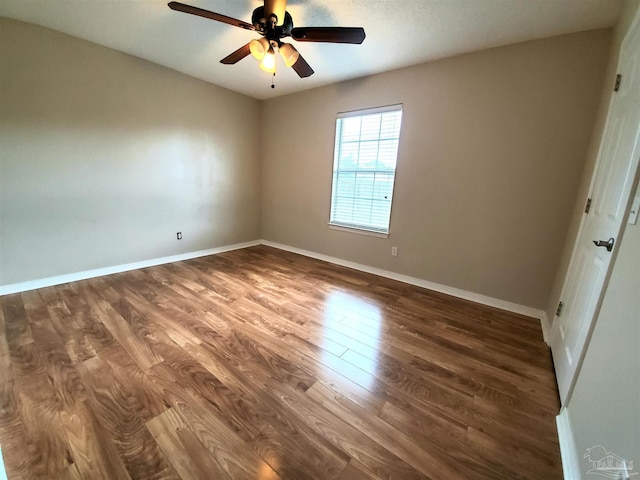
x=364, y=168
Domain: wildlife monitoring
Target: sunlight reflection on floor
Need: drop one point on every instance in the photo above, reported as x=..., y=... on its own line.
x=357, y=325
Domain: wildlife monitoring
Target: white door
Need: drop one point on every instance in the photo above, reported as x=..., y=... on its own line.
x=610, y=192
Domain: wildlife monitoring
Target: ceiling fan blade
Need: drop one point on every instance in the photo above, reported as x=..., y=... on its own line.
x=181, y=7
x=302, y=68
x=236, y=56
x=275, y=6
x=329, y=34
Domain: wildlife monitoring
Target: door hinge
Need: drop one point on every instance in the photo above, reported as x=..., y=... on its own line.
x=587, y=207
x=617, y=85
x=559, y=309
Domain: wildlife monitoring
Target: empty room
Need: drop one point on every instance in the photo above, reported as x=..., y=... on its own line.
x=341, y=240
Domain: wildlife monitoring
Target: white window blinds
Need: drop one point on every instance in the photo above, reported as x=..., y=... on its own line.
x=364, y=168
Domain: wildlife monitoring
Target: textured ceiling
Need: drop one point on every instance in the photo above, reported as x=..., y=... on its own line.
x=399, y=33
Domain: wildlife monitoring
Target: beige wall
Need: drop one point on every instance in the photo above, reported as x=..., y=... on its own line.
x=491, y=153
x=104, y=157
x=603, y=409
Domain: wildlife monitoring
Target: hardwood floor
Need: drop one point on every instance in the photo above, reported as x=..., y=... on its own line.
x=261, y=364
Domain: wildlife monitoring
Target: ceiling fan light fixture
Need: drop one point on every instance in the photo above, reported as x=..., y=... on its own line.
x=259, y=48
x=273, y=23
x=268, y=63
x=289, y=54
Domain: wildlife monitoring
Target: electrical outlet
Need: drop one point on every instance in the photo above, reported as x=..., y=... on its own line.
x=394, y=251
x=179, y=235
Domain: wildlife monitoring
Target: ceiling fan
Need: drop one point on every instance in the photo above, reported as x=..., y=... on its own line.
x=274, y=23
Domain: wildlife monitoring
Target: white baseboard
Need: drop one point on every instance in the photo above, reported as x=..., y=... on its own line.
x=456, y=292
x=546, y=328
x=568, y=452
x=98, y=272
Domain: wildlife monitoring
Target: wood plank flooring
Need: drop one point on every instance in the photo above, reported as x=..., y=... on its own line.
x=261, y=364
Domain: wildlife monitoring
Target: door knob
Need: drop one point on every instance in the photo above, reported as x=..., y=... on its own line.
x=602, y=243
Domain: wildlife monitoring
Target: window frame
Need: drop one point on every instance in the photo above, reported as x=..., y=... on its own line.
x=338, y=143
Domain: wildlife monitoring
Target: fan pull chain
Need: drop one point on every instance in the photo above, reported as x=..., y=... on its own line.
x=272, y=79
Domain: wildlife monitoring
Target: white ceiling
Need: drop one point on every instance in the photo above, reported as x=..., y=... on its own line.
x=399, y=33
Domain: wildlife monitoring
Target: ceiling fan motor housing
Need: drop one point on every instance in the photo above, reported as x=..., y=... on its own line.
x=264, y=27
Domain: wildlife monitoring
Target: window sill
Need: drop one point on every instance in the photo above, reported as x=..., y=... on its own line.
x=359, y=231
